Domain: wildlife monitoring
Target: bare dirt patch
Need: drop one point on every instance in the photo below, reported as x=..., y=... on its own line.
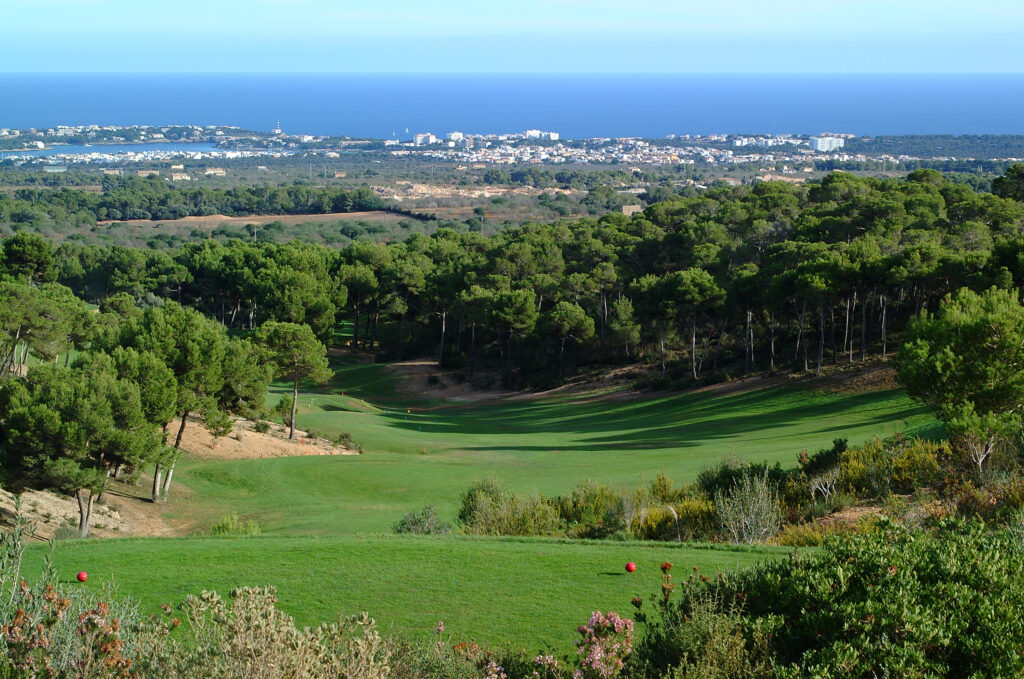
x=213, y=221
x=49, y=512
x=245, y=443
x=878, y=377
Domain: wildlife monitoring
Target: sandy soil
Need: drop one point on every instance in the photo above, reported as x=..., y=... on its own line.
x=245, y=443
x=213, y=221
x=126, y=509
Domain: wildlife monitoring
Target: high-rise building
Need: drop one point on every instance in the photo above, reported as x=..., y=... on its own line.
x=826, y=143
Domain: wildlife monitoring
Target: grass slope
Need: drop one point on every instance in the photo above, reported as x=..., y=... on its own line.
x=531, y=592
x=422, y=453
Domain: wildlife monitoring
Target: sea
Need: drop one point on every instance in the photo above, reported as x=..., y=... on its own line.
x=576, y=106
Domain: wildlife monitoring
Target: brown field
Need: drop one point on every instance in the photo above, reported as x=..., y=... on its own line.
x=213, y=221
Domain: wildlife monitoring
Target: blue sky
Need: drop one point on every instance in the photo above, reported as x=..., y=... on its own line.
x=558, y=36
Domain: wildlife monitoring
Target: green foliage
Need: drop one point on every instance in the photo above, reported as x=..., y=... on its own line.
x=888, y=603
x=897, y=464
x=487, y=509
x=593, y=510
x=749, y=511
x=966, y=362
x=230, y=526
x=686, y=518
x=423, y=522
x=727, y=473
x=68, y=429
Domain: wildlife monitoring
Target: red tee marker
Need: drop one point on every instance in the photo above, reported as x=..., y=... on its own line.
x=630, y=567
x=82, y=576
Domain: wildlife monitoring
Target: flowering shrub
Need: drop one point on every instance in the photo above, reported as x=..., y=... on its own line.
x=607, y=640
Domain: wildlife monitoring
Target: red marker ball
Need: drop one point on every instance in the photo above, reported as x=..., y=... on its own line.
x=83, y=576
x=630, y=567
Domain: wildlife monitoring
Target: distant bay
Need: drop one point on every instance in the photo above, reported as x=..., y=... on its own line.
x=576, y=106
x=76, y=150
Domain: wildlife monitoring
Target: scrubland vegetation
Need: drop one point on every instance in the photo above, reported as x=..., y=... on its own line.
x=895, y=511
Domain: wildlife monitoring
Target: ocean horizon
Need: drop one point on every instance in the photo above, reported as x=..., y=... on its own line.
x=574, y=105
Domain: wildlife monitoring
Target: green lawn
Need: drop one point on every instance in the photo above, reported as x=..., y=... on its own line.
x=433, y=453
x=531, y=592
x=326, y=519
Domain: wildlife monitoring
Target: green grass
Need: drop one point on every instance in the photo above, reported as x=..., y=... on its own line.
x=325, y=519
x=531, y=592
x=421, y=453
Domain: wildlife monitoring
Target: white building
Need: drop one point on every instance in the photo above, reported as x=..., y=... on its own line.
x=826, y=143
x=455, y=136
x=424, y=139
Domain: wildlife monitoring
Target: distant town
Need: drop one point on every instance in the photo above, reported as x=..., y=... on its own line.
x=792, y=155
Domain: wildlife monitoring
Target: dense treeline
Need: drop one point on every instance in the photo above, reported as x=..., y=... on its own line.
x=138, y=198
x=772, y=276
x=958, y=146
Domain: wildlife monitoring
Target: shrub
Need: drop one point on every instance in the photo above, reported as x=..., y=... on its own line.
x=345, y=440
x=261, y=426
x=283, y=410
x=248, y=636
x=489, y=510
x=805, y=535
x=689, y=518
x=725, y=476
x=607, y=640
x=749, y=511
x=893, y=602
x=897, y=464
x=230, y=526
x=593, y=511
x=823, y=460
x=423, y=522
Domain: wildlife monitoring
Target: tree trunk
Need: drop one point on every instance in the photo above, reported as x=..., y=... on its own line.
x=84, y=512
x=799, y=340
x=853, y=316
x=561, y=354
x=295, y=403
x=693, y=348
x=444, y=326
x=373, y=325
x=821, y=338
x=882, y=302
x=157, y=475
x=472, y=347
x=864, y=329
x=355, y=330
x=771, y=341
x=661, y=349
x=747, y=340
x=166, y=486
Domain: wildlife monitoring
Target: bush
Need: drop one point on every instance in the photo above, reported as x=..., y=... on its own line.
x=261, y=426
x=230, y=526
x=897, y=464
x=423, y=522
x=805, y=535
x=688, y=518
x=725, y=476
x=489, y=510
x=749, y=511
x=345, y=440
x=894, y=603
x=593, y=511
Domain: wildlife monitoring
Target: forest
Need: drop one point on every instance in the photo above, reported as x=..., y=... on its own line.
x=737, y=279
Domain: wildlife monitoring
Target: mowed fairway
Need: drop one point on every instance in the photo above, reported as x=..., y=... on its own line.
x=326, y=519
x=530, y=592
x=430, y=452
